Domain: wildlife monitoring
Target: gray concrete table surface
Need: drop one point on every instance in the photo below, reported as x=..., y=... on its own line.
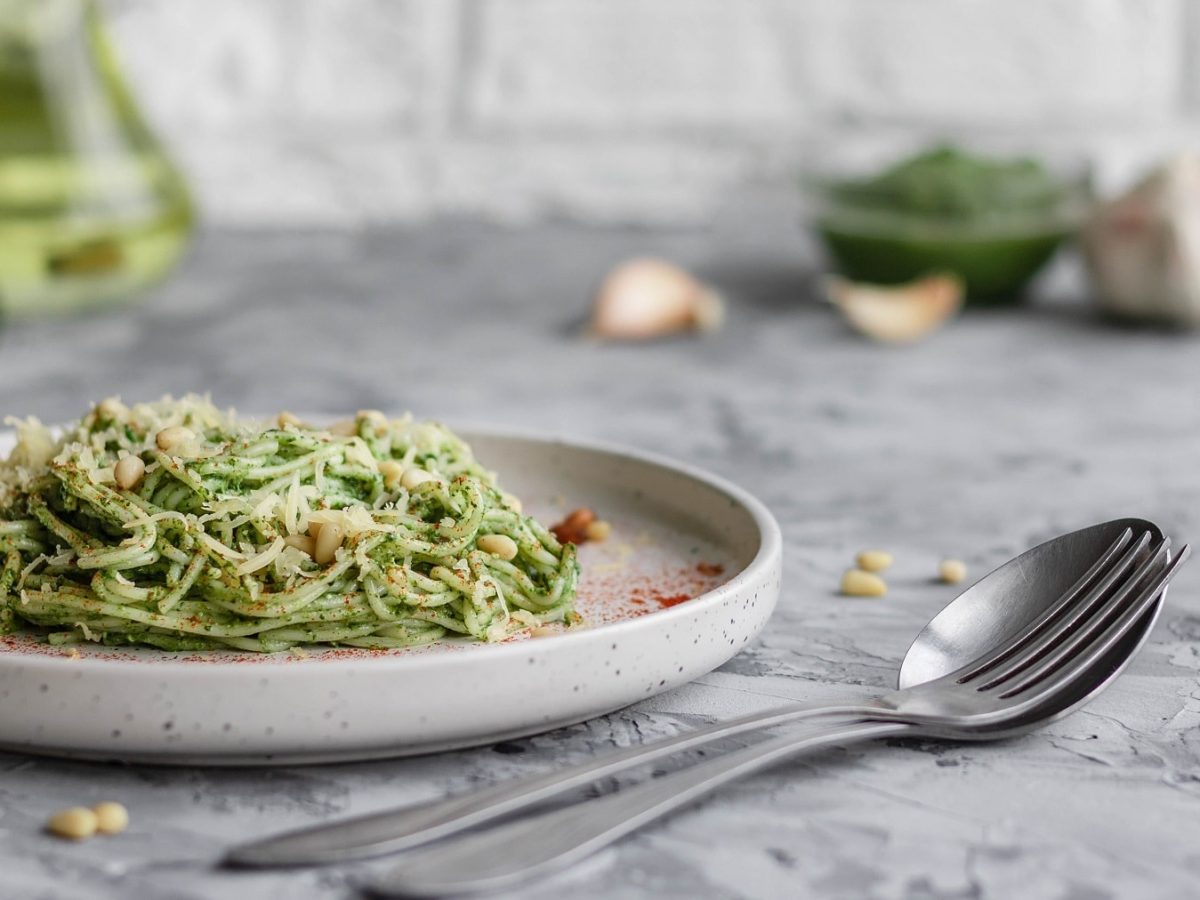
x=1008, y=427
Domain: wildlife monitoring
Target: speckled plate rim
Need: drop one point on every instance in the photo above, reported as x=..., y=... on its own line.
x=767, y=557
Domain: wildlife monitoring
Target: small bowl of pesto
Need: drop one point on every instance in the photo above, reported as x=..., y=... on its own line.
x=994, y=221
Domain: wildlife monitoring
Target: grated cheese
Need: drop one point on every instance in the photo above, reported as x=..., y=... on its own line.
x=262, y=560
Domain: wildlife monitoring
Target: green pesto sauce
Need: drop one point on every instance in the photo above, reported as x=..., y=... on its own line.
x=993, y=222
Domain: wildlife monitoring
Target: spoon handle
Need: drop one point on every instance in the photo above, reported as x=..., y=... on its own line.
x=397, y=829
x=509, y=854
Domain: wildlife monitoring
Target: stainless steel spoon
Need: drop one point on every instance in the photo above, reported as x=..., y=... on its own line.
x=1029, y=643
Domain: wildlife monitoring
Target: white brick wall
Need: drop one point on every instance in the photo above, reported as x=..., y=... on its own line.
x=1023, y=62
x=620, y=65
x=345, y=112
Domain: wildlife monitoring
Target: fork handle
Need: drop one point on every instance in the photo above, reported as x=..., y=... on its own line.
x=509, y=854
x=398, y=829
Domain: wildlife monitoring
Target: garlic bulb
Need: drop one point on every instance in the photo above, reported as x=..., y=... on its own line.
x=1143, y=248
x=648, y=298
x=897, y=314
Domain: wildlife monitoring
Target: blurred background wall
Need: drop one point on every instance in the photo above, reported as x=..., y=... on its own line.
x=351, y=112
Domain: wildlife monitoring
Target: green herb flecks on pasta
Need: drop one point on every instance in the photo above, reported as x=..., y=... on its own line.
x=175, y=525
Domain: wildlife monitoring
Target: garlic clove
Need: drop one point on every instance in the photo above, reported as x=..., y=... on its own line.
x=899, y=314
x=648, y=298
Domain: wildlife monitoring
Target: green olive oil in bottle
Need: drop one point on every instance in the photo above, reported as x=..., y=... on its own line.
x=91, y=209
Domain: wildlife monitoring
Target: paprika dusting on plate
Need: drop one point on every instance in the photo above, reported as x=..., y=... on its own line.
x=672, y=600
x=631, y=594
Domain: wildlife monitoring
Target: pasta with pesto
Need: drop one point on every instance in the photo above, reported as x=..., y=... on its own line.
x=177, y=525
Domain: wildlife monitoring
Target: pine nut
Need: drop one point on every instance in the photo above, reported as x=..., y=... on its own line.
x=111, y=817
x=857, y=583
x=952, y=571
x=344, y=428
x=285, y=418
x=128, y=472
x=173, y=437
x=329, y=538
x=76, y=823
x=414, y=477
x=542, y=631
x=500, y=545
x=598, y=530
x=301, y=542
x=379, y=422
x=392, y=472
x=112, y=408
x=874, y=560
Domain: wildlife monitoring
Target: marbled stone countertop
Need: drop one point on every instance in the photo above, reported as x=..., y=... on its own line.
x=1006, y=428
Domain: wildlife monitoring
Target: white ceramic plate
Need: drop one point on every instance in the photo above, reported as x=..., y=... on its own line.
x=689, y=576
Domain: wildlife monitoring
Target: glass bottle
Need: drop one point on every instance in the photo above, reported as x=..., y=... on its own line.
x=91, y=209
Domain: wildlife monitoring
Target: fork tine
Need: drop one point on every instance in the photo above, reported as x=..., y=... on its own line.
x=999, y=655
x=1095, y=602
x=1048, y=678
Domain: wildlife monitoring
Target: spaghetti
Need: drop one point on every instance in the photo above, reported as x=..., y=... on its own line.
x=176, y=525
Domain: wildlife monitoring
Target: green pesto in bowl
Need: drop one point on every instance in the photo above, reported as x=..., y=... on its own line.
x=994, y=222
